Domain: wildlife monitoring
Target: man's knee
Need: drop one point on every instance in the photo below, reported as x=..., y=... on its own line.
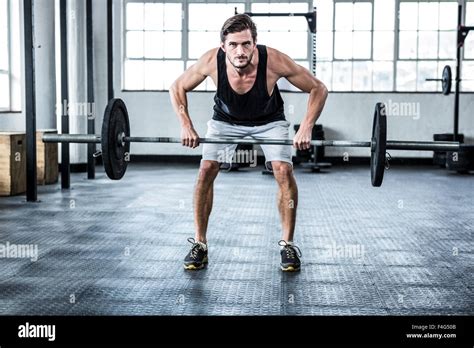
x=282, y=171
x=208, y=170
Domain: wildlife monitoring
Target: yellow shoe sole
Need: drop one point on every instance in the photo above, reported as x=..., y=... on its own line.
x=289, y=269
x=193, y=268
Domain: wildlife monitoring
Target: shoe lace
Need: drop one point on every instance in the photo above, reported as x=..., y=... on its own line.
x=195, y=248
x=291, y=250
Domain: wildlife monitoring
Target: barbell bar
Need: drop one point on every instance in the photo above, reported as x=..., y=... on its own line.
x=115, y=139
x=391, y=144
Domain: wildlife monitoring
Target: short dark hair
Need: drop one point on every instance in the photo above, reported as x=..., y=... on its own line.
x=239, y=23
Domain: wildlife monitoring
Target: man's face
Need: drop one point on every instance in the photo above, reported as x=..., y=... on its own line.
x=239, y=48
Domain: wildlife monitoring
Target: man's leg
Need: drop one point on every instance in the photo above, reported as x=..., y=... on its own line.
x=287, y=197
x=203, y=196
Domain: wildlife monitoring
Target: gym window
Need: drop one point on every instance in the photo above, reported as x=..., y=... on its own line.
x=355, y=44
x=426, y=43
x=366, y=46
x=10, y=78
x=152, y=49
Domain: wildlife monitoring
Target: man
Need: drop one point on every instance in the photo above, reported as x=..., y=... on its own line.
x=247, y=103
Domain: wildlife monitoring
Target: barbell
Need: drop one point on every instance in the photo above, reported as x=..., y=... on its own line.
x=115, y=139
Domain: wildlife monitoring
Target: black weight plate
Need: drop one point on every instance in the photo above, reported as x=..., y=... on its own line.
x=446, y=80
x=379, y=144
x=114, y=154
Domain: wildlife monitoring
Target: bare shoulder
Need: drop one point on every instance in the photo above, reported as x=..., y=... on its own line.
x=206, y=64
x=280, y=63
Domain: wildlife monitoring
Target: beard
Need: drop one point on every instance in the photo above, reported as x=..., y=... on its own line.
x=241, y=62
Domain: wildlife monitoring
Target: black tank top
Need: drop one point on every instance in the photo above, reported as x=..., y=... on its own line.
x=253, y=108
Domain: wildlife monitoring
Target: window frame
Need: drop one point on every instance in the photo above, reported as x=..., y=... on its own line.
x=185, y=59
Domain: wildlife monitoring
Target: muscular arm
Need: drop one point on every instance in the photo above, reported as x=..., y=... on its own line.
x=189, y=80
x=284, y=66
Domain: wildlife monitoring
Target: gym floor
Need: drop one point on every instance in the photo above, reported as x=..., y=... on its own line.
x=109, y=248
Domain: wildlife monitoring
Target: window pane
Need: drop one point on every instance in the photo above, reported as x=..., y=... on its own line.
x=159, y=75
x=362, y=76
x=426, y=70
x=469, y=13
x=134, y=15
x=211, y=17
x=3, y=56
x=172, y=44
x=362, y=44
x=448, y=14
x=467, y=74
x=3, y=50
x=406, y=76
x=324, y=20
x=428, y=16
x=3, y=36
x=292, y=43
x=5, y=94
x=160, y=44
x=172, y=17
x=362, y=16
x=342, y=76
x=153, y=74
x=280, y=7
x=135, y=44
x=324, y=45
x=408, y=15
x=344, y=16
x=154, y=44
x=384, y=14
x=407, y=45
x=154, y=16
x=447, y=44
x=469, y=46
x=324, y=73
x=383, y=45
x=280, y=23
x=382, y=76
x=200, y=42
x=171, y=71
x=343, y=45
x=133, y=75
x=428, y=44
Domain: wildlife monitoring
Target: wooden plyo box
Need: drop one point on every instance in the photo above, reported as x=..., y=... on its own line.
x=46, y=159
x=12, y=163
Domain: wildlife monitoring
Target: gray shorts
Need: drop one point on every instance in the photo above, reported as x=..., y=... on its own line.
x=225, y=153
